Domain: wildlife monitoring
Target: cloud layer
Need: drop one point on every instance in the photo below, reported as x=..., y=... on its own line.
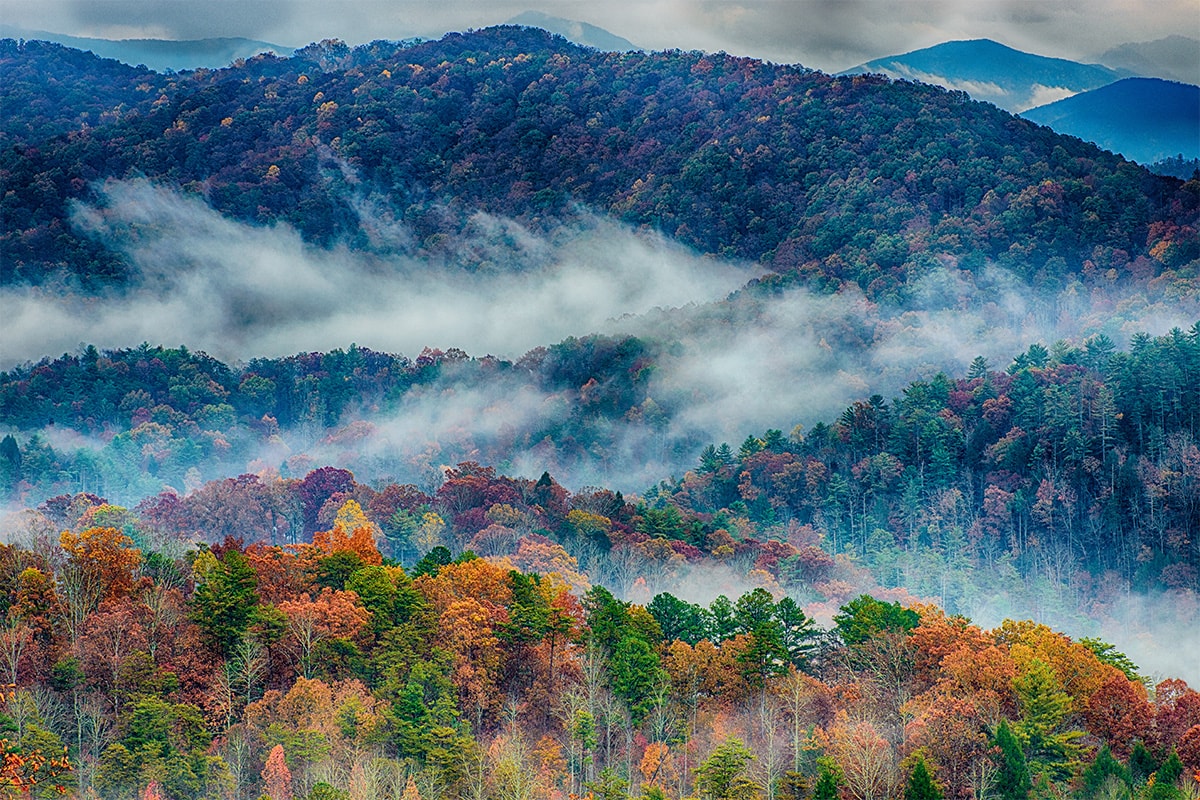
x=726, y=369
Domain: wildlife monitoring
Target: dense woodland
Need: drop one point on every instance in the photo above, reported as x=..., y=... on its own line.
x=325, y=670
x=833, y=179
x=319, y=637
x=787, y=617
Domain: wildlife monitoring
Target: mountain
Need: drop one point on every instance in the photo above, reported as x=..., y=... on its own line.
x=842, y=180
x=1175, y=58
x=160, y=55
x=60, y=89
x=580, y=33
x=1144, y=119
x=993, y=72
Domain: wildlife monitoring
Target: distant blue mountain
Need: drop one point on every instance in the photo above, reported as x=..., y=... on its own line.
x=578, y=32
x=993, y=72
x=1175, y=58
x=1143, y=119
x=157, y=54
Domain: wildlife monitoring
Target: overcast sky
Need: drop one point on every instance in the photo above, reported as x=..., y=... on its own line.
x=825, y=34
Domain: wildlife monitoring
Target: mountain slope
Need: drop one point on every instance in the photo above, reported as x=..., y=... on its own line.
x=1175, y=58
x=60, y=89
x=578, y=32
x=841, y=179
x=160, y=55
x=1144, y=119
x=993, y=72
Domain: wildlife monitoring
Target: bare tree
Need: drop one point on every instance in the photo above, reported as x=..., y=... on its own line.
x=772, y=737
x=14, y=639
x=165, y=607
x=867, y=760
x=96, y=732
x=237, y=750
x=246, y=667
x=81, y=591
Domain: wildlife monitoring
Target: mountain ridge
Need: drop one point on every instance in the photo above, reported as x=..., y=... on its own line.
x=729, y=156
x=991, y=71
x=160, y=55
x=1144, y=119
x=581, y=33
x=1173, y=58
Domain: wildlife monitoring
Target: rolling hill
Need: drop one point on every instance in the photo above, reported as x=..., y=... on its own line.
x=161, y=55
x=851, y=179
x=1144, y=119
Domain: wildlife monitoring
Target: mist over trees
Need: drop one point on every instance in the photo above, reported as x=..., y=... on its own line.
x=786, y=543
x=324, y=668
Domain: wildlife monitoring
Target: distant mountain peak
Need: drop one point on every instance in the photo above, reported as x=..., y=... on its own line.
x=581, y=33
x=1173, y=58
x=994, y=72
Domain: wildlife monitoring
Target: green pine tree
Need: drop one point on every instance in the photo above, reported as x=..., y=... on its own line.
x=828, y=780
x=609, y=786
x=1051, y=747
x=1012, y=780
x=1103, y=771
x=722, y=775
x=1142, y=763
x=1164, y=783
x=920, y=783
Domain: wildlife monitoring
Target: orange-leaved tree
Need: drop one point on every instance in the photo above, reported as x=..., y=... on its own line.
x=330, y=615
x=22, y=770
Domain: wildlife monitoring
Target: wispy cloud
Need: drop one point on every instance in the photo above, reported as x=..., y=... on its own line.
x=725, y=369
x=977, y=89
x=239, y=291
x=1041, y=95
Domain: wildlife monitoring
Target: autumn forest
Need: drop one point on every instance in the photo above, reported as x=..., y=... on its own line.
x=900, y=499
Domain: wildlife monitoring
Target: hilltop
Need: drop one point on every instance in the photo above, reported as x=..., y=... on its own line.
x=991, y=71
x=851, y=179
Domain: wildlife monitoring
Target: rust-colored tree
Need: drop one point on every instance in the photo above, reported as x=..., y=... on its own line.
x=277, y=778
x=1119, y=713
x=330, y=615
x=106, y=553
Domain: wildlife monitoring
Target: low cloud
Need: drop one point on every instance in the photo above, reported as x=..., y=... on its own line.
x=726, y=368
x=776, y=361
x=826, y=34
x=238, y=291
x=982, y=90
x=1043, y=95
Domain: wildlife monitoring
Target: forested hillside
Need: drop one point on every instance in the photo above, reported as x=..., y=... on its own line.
x=1146, y=119
x=1066, y=477
x=351, y=574
x=852, y=179
x=324, y=670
